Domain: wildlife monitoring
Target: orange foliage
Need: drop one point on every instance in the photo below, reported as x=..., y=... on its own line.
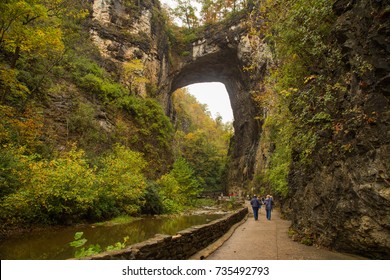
x=21, y=128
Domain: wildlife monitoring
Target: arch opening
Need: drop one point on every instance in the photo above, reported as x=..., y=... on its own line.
x=216, y=97
x=224, y=66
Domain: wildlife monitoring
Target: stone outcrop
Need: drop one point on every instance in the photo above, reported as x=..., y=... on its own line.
x=343, y=199
x=127, y=30
x=179, y=247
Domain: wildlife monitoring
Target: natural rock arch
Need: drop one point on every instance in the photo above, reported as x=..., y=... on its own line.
x=219, y=56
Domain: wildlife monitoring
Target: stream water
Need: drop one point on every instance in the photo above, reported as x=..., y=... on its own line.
x=53, y=244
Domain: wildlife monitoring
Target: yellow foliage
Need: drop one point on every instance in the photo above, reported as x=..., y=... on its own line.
x=309, y=79
x=10, y=87
x=133, y=74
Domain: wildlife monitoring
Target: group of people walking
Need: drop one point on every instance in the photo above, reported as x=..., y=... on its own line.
x=257, y=203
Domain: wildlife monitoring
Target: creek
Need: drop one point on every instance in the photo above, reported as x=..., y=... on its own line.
x=53, y=243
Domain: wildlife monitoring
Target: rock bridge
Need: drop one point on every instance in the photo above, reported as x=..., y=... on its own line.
x=220, y=54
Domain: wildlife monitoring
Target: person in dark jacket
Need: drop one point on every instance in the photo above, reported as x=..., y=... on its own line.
x=268, y=206
x=255, y=206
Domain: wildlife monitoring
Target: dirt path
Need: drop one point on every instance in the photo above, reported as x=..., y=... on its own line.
x=265, y=240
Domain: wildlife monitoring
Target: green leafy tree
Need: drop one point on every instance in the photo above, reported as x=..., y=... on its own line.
x=179, y=187
x=184, y=175
x=67, y=189
x=153, y=202
x=13, y=171
x=121, y=182
x=11, y=89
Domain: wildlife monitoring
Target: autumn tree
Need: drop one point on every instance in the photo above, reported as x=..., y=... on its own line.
x=216, y=10
x=186, y=12
x=133, y=74
x=202, y=141
x=209, y=11
x=32, y=27
x=32, y=43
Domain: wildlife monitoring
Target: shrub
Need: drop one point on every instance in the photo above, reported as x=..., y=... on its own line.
x=59, y=191
x=67, y=190
x=179, y=187
x=13, y=171
x=121, y=183
x=150, y=118
x=153, y=203
x=101, y=87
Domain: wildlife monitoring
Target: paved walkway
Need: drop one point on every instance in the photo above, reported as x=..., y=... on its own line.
x=265, y=240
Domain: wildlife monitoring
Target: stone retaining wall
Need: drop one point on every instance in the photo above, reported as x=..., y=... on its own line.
x=179, y=247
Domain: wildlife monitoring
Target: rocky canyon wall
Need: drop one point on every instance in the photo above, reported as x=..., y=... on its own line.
x=342, y=199
x=125, y=31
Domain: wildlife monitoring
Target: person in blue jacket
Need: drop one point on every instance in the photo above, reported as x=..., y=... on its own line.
x=268, y=206
x=255, y=206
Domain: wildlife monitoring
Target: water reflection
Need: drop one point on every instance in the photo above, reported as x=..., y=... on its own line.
x=54, y=243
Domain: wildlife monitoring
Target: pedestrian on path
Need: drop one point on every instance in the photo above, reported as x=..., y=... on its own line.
x=268, y=206
x=255, y=206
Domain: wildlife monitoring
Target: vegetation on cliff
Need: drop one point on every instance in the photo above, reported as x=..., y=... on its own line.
x=327, y=117
x=307, y=89
x=77, y=143
x=300, y=93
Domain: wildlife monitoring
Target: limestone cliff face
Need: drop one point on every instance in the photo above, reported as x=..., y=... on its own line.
x=343, y=199
x=128, y=30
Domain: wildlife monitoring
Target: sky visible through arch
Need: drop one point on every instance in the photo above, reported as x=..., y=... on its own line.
x=212, y=94
x=216, y=98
